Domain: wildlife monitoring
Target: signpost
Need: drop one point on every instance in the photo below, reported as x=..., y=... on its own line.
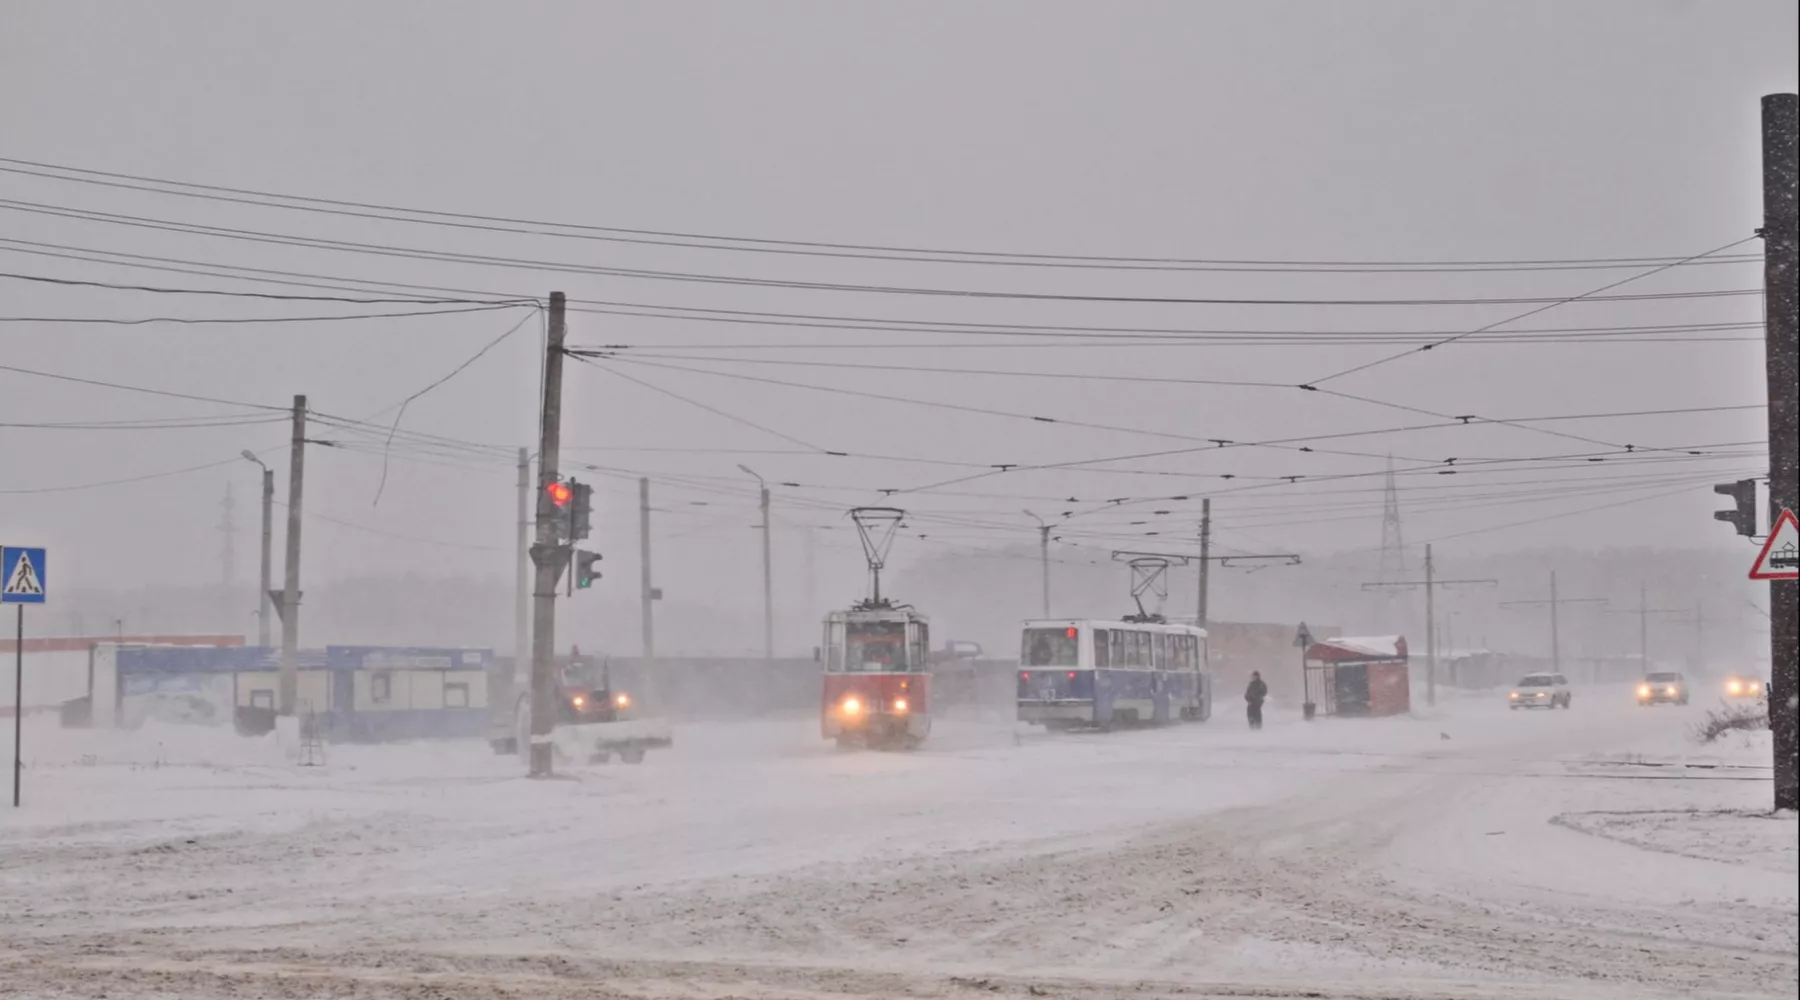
x=23, y=572
x=1303, y=640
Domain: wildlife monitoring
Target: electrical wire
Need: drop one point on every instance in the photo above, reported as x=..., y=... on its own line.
x=696, y=277
x=1588, y=296
x=270, y=296
x=248, y=320
x=490, y=223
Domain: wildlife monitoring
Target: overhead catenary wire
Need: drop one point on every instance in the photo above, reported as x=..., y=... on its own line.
x=1593, y=295
x=694, y=240
x=269, y=296
x=861, y=288
x=250, y=320
x=426, y=293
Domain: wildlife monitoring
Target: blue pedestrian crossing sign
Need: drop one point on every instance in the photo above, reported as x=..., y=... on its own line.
x=22, y=575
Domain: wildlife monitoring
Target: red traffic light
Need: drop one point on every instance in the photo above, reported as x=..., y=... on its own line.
x=559, y=493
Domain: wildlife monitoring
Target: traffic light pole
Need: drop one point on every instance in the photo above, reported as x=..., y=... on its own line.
x=549, y=554
x=1781, y=246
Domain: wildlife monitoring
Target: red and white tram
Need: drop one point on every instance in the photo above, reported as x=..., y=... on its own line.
x=877, y=682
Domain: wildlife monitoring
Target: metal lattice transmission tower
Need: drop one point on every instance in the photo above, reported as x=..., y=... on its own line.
x=1393, y=546
x=1389, y=610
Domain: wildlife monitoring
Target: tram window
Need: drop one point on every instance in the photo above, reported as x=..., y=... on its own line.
x=921, y=647
x=1052, y=647
x=1178, y=652
x=1117, y=641
x=1102, y=659
x=1137, y=649
x=875, y=647
x=1161, y=644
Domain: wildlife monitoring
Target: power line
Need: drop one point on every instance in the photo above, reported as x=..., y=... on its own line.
x=248, y=320
x=1588, y=296
x=270, y=296
x=704, y=406
x=744, y=317
x=696, y=277
x=491, y=223
x=141, y=389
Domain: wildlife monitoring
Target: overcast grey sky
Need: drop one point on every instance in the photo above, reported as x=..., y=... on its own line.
x=1274, y=131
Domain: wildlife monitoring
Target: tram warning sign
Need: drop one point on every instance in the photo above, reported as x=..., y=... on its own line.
x=1780, y=555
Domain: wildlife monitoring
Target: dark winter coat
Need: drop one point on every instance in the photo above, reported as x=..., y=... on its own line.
x=1256, y=692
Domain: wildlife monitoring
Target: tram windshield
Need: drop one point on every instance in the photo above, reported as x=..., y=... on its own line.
x=875, y=647
x=1052, y=647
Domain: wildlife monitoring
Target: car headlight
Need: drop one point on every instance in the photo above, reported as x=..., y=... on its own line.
x=900, y=705
x=1514, y=695
x=1644, y=691
x=1735, y=688
x=852, y=706
x=1671, y=690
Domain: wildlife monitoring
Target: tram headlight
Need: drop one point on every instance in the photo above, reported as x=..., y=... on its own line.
x=622, y=700
x=852, y=706
x=579, y=701
x=900, y=706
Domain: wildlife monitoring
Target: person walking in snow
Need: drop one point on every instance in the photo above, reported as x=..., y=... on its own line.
x=1254, y=695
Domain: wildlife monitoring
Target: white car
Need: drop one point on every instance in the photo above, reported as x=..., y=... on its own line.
x=1539, y=691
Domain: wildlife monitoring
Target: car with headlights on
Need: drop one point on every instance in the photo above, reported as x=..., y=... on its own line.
x=1744, y=687
x=1539, y=691
x=1662, y=688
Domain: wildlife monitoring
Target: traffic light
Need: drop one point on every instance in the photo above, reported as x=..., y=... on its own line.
x=560, y=494
x=1743, y=516
x=585, y=573
x=581, y=510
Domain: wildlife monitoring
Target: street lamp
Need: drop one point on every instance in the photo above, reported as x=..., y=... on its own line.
x=768, y=578
x=268, y=537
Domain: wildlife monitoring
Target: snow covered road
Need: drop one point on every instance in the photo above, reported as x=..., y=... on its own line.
x=1473, y=854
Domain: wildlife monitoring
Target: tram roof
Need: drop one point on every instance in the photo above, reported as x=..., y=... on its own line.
x=896, y=614
x=1119, y=623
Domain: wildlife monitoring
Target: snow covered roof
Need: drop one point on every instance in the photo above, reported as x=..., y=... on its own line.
x=1380, y=647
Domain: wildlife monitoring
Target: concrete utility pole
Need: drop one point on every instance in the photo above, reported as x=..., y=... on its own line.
x=268, y=545
x=648, y=591
x=1043, y=557
x=1555, y=602
x=1203, y=604
x=522, y=579
x=1431, y=583
x=289, y=680
x=549, y=553
x=1781, y=241
x=768, y=572
x=1644, y=611
x=1200, y=609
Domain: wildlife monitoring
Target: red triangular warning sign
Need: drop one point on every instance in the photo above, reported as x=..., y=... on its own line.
x=1780, y=555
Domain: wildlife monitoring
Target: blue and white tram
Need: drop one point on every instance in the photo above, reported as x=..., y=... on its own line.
x=1089, y=672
